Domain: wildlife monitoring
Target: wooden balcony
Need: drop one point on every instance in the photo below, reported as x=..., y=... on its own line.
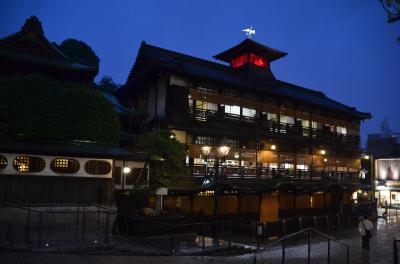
x=272, y=127
x=265, y=173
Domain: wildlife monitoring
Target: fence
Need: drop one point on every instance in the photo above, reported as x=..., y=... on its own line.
x=175, y=236
x=55, y=226
x=308, y=232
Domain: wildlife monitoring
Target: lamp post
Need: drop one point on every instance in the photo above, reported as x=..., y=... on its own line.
x=206, y=151
x=221, y=154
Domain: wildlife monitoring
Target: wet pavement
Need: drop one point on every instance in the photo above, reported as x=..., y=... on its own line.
x=381, y=247
x=381, y=251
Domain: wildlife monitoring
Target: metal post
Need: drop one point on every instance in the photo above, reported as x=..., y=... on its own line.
x=216, y=191
x=28, y=224
x=300, y=223
x=315, y=222
x=77, y=217
x=309, y=248
x=40, y=229
x=395, y=252
x=338, y=221
x=329, y=251
x=204, y=241
x=172, y=240
x=348, y=255
x=84, y=218
x=106, y=231
x=327, y=223
x=98, y=217
x=283, y=251
x=283, y=227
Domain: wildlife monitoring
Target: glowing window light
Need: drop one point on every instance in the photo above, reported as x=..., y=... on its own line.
x=258, y=61
x=239, y=61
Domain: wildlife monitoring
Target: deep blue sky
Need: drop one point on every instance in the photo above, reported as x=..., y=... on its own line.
x=344, y=48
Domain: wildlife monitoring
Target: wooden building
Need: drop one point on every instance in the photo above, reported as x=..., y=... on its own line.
x=292, y=150
x=28, y=51
x=69, y=171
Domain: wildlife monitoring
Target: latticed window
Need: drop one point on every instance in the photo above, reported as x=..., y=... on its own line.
x=29, y=164
x=97, y=167
x=3, y=162
x=64, y=165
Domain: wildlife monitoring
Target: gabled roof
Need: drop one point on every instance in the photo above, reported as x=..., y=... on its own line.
x=29, y=46
x=69, y=148
x=119, y=108
x=152, y=56
x=250, y=46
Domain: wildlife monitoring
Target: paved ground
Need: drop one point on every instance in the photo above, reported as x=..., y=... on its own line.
x=381, y=247
x=380, y=252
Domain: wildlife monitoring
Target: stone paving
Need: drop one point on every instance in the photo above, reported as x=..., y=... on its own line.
x=381, y=247
x=380, y=251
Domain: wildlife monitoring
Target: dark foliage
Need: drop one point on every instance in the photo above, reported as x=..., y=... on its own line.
x=166, y=155
x=107, y=84
x=34, y=107
x=80, y=52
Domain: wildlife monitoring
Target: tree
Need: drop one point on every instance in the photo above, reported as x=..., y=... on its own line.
x=107, y=84
x=392, y=8
x=166, y=155
x=38, y=108
x=80, y=52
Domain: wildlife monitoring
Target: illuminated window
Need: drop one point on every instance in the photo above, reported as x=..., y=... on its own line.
x=237, y=62
x=28, y=164
x=304, y=123
x=302, y=167
x=190, y=101
x=64, y=165
x=97, y=167
x=287, y=119
x=316, y=125
x=272, y=117
x=341, y=130
x=258, y=61
x=232, y=109
x=3, y=162
x=248, y=112
x=206, y=106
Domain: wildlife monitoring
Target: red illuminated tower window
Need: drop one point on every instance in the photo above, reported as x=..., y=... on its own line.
x=258, y=61
x=239, y=61
x=249, y=58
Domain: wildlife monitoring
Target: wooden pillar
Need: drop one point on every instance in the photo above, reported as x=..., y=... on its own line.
x=239, y=203
x=191, y=204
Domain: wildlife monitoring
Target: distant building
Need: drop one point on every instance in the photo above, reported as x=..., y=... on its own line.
x=385, y=143
x=385, y=147
x=292, y=150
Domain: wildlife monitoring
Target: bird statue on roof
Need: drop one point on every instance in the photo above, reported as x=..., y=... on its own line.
x=249, y=32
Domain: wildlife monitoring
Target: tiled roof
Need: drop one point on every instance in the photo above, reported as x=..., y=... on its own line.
x=204, y=69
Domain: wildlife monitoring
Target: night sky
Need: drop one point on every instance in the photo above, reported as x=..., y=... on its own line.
x=345, y=49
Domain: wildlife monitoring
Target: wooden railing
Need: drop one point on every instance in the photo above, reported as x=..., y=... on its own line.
x=273, y=127
x=266, y=173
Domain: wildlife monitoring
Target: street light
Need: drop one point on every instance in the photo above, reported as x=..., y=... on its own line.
x=222, y=152
x=206, y=151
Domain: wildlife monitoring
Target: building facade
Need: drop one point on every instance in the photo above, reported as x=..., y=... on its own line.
x=290, y=149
